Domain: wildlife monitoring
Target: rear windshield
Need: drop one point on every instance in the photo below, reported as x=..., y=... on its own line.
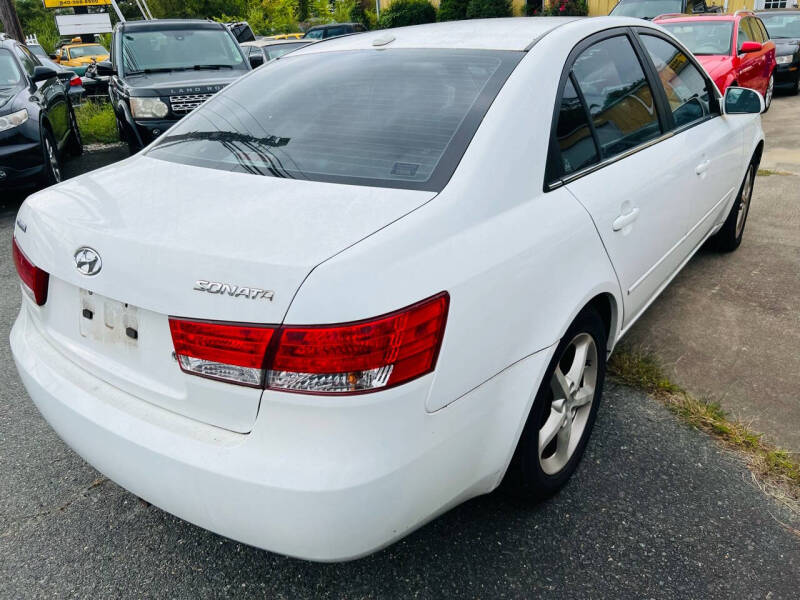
x=10, y=74
x=646, y=9
x=391, y=118
x=703, y=37
x=180, y=49
x=81, y=51
x=277, y=50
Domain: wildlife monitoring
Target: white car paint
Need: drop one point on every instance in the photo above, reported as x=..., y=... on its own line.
x=337, y=477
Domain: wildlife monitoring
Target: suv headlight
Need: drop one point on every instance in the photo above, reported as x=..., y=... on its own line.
x=15, y=119
x=148, y=108
x=784, y=60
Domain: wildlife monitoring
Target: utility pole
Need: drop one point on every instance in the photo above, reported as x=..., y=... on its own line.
x=10, y=20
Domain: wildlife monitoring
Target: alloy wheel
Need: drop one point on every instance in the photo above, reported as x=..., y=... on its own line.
x=744, y=205
x=770, y=91
x=572, y=389
x=52, y=159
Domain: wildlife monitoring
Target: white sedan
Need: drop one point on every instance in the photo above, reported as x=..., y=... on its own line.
x=379, y=276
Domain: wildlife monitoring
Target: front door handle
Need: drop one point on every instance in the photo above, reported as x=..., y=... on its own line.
x=702, y=167
x=623, y=221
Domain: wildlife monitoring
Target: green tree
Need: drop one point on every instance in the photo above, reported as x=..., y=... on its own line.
x=407, y=12
x=452, y=10
x=484, y=9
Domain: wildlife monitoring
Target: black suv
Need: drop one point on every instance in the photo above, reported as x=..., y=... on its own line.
x=323, y=32
x=37, y=122
x=161, y=70
x=783, y=26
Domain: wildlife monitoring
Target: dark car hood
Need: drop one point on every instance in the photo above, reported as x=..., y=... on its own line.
x=181, y=82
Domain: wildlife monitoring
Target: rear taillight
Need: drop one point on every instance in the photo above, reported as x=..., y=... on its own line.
x=75, y=81
x=336, y=359
x=223, y=351
x=34, y=280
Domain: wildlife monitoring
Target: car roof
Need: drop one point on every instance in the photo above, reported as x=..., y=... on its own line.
x=159, y=24
x=515, y=33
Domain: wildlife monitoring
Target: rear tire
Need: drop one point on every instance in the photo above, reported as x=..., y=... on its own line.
x=74, y=145
x=730, y=236
x=795, y=89
x=563, y=413
x=51, y=173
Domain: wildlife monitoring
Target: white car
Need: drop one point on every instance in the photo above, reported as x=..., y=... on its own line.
x=313, y=319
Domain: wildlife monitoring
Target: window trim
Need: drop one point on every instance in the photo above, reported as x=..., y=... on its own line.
x=554, y=177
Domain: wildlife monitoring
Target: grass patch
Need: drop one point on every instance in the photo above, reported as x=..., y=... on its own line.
x=768, y=172
x=97, y=122
x=774, y=470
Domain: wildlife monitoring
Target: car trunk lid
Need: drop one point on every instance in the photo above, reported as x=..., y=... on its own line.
x=188, y=242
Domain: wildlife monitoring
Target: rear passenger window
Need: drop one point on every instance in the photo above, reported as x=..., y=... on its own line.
x=619, y=98
x=573, y=133
x=686, y=88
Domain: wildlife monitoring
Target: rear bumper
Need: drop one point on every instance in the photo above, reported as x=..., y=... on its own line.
x=318, y=478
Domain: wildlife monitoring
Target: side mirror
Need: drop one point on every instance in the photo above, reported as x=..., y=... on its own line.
x=743, y=101
x=748, y=47
x=256, y=59
x=41, y=73
x=105, y=69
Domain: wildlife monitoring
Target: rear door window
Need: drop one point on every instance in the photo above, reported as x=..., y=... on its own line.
x=573, y=133
x=618, y=95
x=686, y=89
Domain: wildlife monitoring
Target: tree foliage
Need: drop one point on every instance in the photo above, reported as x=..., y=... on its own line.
x=452, y=10
x=485, y=9
x=408, y=12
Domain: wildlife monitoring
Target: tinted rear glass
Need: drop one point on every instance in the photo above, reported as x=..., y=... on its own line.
x=396, y=118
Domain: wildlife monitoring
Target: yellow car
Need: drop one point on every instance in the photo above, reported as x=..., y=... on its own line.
x=286, y=36
x=80, y=55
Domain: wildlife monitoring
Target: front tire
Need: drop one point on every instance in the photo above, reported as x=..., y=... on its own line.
x=563, y=412
x=769, y=92
x=730, y=236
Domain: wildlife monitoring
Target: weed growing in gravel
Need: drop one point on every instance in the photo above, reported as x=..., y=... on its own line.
x=97, y=122
x=775, y=471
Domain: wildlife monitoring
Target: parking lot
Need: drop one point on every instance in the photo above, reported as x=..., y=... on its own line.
x=656, y=509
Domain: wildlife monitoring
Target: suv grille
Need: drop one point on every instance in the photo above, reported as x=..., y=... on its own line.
x=186, y=104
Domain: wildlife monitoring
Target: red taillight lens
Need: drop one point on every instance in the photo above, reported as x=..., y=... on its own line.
x=220, y=351
x=362, y=356
x=34, y=280
x=343, y=358
x=75, y=81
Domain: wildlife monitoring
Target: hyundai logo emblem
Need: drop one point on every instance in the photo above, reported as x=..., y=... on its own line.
x=88, y=261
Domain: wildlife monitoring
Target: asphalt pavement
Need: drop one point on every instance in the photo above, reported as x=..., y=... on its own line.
x=656, y=510
x=728, y=327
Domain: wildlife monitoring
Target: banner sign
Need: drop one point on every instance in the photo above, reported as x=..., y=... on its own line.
x=74, y=3
x=83, y=24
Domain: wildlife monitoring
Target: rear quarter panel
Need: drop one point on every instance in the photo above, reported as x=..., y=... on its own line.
x=518, y=263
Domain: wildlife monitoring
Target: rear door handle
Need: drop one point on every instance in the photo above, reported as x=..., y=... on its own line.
x=702, y=167
x=623, y=221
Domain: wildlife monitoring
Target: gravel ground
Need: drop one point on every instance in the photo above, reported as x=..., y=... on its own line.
x=657, y=510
